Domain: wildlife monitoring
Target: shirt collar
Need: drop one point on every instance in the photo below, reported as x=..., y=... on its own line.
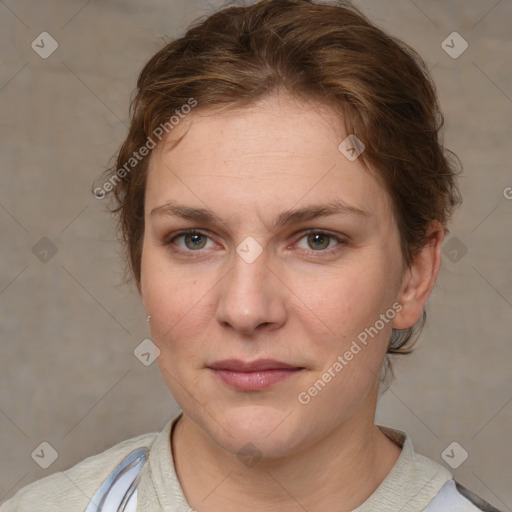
x=411, y=484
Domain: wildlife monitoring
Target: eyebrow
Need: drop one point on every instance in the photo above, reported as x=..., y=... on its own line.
x=285, y=218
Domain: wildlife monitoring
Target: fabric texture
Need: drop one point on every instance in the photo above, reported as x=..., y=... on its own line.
x=144, y=464
x=72, y=490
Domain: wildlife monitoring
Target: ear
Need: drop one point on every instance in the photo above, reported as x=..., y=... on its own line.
x=419, y=279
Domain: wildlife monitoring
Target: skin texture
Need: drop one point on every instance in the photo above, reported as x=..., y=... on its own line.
x=297, y=302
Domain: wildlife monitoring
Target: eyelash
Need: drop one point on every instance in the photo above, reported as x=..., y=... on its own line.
x=184, y=232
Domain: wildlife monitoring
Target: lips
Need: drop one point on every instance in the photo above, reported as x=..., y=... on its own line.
x=254, y=375
x=235, y=365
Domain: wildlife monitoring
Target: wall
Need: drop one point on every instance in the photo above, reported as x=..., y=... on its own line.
x=69, y=326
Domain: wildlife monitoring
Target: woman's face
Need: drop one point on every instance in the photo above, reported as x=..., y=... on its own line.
x=257, y=283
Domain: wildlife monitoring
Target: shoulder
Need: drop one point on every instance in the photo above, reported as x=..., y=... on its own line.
x=72, y=489
x=454, y=497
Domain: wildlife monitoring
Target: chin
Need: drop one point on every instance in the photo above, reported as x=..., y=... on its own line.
x=269, y=431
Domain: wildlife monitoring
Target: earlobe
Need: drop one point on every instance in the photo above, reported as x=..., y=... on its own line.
x=419, y=279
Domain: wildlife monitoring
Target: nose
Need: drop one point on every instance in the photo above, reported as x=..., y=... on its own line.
x=251, y=296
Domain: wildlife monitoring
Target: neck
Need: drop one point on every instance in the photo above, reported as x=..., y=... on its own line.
x=337, y=473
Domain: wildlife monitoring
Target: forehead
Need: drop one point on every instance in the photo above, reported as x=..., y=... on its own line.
x=277, y=153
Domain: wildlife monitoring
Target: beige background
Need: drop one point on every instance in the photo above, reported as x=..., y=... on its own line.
x=69, y=327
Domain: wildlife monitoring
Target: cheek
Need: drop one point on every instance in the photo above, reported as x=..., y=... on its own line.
x=178, y=323
x=351, y=355
x=169, y=294
x=348, y=300
x=179, y=302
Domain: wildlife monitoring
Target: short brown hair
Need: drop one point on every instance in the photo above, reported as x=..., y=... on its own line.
x=329, y=52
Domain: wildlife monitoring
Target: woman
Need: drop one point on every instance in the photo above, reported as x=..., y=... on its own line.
x=283, y=194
